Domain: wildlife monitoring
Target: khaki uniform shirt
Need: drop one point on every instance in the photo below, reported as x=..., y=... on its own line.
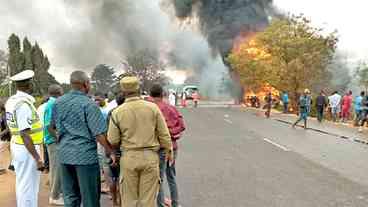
x=139, y=125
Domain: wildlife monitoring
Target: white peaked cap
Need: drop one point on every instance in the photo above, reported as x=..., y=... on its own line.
x=22, y=76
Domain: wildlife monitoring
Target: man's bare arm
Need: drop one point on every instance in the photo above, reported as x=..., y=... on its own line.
x=105, y=143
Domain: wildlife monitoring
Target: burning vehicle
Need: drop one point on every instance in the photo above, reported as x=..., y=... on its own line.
x=188, y=91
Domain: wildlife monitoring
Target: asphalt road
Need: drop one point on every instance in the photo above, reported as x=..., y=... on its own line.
x=232, y=158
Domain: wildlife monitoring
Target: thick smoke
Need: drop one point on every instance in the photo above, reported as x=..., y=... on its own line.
x=80, y=34
x=222, y=21
x=119, y=28
x=116, y=28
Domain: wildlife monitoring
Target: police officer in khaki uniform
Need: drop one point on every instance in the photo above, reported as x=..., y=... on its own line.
x=140, y=130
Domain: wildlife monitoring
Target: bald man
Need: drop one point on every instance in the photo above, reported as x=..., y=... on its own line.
x=80, y=124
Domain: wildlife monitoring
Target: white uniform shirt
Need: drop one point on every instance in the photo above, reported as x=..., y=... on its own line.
x=41, y=111
x=335, y=100
x=24, y=112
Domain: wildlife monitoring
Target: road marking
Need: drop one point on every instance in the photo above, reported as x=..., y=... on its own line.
x=228, y=121
x=277, y=145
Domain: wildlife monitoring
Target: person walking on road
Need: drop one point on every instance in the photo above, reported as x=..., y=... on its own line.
x=80, y=124
x=321, y=103
x=26, y=140
x=268, y=105
x=346, y=106
x=175, y=123
x=140, y=130
x=172, y=98
x=285, y=101
x=54, y=91
x=363, y=117
x=334, y=102
x=305, y=102
x=196, y=98
x=358, y=107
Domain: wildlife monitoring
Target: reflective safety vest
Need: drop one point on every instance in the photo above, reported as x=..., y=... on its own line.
x=36, y=133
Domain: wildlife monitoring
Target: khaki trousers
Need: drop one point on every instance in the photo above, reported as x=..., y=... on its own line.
x=55, y=172
x=140, y=178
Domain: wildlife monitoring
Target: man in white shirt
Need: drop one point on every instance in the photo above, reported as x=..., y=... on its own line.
x=335, y=102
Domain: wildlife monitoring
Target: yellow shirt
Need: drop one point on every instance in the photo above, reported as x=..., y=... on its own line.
x=139, y=125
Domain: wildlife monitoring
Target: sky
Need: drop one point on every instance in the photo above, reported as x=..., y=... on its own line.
x=349, y=18
x=49, y=22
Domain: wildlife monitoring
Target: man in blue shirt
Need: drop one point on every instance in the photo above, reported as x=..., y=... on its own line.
x=285, y=101
x=80, y=125
x=305, y=102
x=358, y=107
x=54, y=91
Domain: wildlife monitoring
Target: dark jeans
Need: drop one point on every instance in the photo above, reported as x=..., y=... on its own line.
x=320, y=110
x=171, y=179
x=286, y=108
x=81, y=184
x=46, y=157
x=363, y=117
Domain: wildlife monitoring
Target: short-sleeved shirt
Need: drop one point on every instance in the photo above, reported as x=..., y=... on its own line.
x=23, y=112
x=358, y=103
x=335, y=100
x=321, y=101
x=48, y=138
x=78, y=121
x=137, y=125
x=41, y=112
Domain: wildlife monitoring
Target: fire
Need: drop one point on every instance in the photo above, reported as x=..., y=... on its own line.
x=177, y=77
x=246, y=44
x=261, y=93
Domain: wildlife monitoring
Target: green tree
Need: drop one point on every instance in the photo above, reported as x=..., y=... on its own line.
x=41, y=64
x=31, y=58
x=290, y=55
x=16, y=57
x=146, y=66
x=27, y=50
x=103, y=78
x=3, y=65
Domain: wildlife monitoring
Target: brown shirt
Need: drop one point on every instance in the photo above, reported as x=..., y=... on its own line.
x=138, y=125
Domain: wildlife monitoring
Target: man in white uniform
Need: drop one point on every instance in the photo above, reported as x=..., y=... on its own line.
x=27, y=136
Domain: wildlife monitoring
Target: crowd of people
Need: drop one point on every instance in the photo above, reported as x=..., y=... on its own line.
x=130, y=143
x=340, y=108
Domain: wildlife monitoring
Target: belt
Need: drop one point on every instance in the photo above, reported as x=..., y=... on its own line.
x=13, y=142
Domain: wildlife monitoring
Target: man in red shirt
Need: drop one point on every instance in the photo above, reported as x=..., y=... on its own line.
x=175, y=123
x=346, y=106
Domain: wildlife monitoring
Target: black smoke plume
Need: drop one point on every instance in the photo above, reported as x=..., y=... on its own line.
x=222, y=21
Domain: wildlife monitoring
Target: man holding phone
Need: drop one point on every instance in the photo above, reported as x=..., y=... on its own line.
x=27, y=138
